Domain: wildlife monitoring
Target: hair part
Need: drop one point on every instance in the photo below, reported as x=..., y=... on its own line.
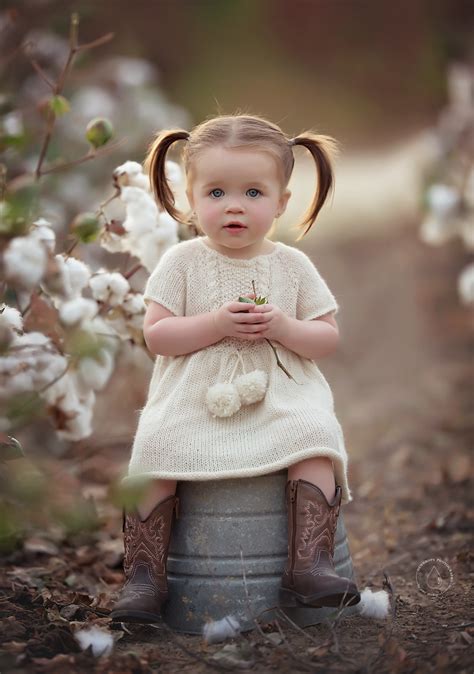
x=240, y=131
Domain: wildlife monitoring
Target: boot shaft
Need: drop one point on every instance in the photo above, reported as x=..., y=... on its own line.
x=312, y=523
x=146, y=541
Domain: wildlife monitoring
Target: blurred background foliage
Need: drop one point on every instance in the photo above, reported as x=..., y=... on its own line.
x=363, y=70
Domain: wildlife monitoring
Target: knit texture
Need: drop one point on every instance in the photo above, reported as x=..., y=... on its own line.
x=177, y=436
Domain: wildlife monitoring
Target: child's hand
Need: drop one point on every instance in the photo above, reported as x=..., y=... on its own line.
x=238, y=319
x=276, y=321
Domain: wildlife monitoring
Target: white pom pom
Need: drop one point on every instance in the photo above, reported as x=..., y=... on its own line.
x=223, y=400
x=374, y=604
x=252, y=386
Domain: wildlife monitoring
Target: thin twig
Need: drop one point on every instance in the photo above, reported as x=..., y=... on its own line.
x=25, y=47
x=132, y=271
x=92, y=154
x=57, y=89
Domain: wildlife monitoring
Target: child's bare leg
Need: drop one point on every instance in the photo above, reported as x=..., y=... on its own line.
x=156, y=491
x=318, y=470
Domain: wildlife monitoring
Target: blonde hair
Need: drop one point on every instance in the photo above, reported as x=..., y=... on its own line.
x=239, y=131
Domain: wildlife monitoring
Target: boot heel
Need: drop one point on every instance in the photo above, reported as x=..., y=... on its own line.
x=287, y=599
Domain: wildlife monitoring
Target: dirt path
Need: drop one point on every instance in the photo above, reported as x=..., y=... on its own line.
x=402, y=388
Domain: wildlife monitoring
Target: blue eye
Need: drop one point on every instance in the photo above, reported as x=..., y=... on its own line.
x=254, y=189
x=217, y=189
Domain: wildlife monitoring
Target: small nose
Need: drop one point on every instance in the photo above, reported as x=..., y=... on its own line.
x=233, y=207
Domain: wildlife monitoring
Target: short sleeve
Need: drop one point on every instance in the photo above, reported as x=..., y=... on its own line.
x=314, y=296
x=167, y=282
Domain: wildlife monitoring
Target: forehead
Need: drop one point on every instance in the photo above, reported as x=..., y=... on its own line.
x=232, y=164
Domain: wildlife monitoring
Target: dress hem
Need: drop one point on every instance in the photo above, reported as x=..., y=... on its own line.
x=341, y=477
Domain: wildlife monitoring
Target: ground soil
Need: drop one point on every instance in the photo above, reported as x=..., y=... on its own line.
x=402, y=386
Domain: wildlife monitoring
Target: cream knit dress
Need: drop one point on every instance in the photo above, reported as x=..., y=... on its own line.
x=177, y=436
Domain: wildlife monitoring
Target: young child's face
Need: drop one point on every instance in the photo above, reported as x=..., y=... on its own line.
x=236, y=185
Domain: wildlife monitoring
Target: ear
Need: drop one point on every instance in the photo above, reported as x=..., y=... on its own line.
x=284, y=201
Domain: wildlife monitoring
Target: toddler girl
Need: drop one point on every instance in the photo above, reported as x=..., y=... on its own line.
x=201, y=423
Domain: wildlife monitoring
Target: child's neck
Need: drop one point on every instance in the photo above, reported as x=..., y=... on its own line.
x=266, y=247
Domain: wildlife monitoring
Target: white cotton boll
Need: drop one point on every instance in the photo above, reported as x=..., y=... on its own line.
x=78, y=426
x=49, y=367
x=11, y=317
x=100, y=641
x=42, y=231
x=32, y=339
x=107, y=336
x=25, y=262
x=173, y=172
x=251, y=386
x=130, y=173
x=112, y=242
x=141, y=209
x=20, y=382
x=77, y=310
x=8, y=363
x=94, y=373
x=133, y=303
x=78, y=275
x=63, y=392
x=220, y=630
x=436, y=232
x=223, y=400
x=110, y=287
x=150, y=248
x=374, y=604
x=466, y=284
x=442, y=199
x=167, y=231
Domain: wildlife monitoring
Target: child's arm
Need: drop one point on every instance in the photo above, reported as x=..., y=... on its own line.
x=169, y=335
x=313, y=339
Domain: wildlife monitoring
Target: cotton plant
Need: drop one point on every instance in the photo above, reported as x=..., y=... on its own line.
x=93, y=313
x=62, y=324
x=449, y=191
x=67, y=382
x=64, y=376
x=146, y=232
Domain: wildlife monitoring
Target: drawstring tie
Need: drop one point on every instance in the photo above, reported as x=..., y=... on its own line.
x=225, y=399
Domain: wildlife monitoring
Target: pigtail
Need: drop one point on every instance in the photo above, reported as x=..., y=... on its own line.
x=154, y=165
x=323, y=149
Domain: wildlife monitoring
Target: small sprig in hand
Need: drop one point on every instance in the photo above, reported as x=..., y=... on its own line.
x=263, y=300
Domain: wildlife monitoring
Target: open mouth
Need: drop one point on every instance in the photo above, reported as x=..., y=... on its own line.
x=235, y=226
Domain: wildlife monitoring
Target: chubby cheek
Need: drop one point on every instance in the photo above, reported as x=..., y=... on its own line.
x=210, y=210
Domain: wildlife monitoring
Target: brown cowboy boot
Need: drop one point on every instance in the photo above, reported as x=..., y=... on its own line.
x=146, y=551
x=310, y=578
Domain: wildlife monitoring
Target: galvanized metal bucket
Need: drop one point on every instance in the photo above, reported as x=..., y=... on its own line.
x=228, y=550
